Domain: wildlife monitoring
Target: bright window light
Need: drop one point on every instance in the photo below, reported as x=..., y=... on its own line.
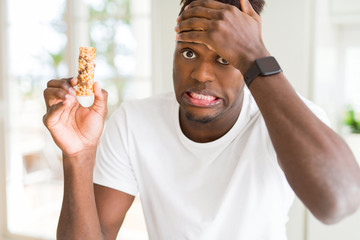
x=38, y=43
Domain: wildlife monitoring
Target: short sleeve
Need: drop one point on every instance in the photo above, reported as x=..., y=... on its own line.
x=317, y=111
x=113, y=168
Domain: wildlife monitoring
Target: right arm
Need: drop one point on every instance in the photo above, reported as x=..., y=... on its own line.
x=89, y=211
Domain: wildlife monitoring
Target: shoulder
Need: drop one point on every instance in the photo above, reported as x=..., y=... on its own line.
x=254, y=112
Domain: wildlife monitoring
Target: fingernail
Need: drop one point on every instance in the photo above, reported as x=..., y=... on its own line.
x=176, y=28
x=177, y=36
x=177, y=19
x=187, y=7
x=74, y=79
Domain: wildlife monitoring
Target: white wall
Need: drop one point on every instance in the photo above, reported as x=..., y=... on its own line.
x=287, y=34
x=326, y=40
x=3, y=115
x=164, y=14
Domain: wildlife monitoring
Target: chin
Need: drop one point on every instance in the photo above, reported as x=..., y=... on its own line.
x=199, y=119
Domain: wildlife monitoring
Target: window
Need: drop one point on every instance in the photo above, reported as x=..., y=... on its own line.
x=351, y=72
x=336, y=48
x=43, y=41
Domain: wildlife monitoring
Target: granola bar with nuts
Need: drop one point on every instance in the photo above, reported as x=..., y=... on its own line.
x=86, y=71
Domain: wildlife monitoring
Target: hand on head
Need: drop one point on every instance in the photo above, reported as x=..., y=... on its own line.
x=235, y=35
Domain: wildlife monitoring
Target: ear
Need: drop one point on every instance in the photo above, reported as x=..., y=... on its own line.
x=249, y=10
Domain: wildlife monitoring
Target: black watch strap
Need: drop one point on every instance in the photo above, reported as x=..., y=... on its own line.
x=262, y=67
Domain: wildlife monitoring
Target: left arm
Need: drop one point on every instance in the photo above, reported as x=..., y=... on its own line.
x=317, y=163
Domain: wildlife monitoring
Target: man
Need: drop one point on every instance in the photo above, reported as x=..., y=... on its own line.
x=219, y=162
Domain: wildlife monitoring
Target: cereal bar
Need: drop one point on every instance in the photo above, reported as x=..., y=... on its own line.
x=86, y=71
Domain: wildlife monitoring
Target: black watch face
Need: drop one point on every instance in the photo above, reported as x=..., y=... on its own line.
x=268, y=66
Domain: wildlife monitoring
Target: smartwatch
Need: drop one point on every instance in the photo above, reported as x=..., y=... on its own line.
x=262, y=67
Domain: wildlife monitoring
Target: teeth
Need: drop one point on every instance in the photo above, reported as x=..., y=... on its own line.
x=202, y=97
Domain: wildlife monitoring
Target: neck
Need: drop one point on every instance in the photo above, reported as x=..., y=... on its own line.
x=211, y=131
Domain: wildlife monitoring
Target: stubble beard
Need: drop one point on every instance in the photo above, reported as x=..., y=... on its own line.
x=203, y=120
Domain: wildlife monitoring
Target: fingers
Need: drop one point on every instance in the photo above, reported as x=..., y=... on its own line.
x=205, y=3
x=197, y=7
x=200, y=37
x=53, y=96
x=53, y=115
x=64, y=83
x=199, y=12
x=196, y=22
x=208, y=16
x=210, y=10
x=100, y=101
x=193, y=24
x=57, y=91
x=60, y=111
x=249, y=10
x=74, y=81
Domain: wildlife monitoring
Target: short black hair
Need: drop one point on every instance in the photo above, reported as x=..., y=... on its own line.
x=258, y=5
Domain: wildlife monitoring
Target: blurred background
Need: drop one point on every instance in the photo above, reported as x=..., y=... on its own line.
x=317, y=43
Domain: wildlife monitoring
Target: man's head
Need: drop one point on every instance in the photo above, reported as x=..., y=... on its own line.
x=258, y=5
x=207, y=87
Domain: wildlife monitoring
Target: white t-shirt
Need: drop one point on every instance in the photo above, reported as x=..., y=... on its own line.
x=231, y=188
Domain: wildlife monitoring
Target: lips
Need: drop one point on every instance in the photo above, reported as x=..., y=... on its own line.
x=201, y=99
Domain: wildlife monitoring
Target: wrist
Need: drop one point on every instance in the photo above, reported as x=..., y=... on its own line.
x=245, y=64
x=82, y=159
x=266, y=66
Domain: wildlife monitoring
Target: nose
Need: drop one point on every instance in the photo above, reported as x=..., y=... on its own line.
x=203, y=71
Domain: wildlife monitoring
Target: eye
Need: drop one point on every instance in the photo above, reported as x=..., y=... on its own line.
x=188, y=54
x=222, y=61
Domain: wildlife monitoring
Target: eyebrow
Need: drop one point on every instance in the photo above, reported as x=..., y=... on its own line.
x=194, y=43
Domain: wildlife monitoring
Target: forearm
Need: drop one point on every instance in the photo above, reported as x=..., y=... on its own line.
x=79, y=218
x=294, y=129
x=317, y=163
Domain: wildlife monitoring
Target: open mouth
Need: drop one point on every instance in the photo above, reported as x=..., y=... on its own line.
x=202, y=100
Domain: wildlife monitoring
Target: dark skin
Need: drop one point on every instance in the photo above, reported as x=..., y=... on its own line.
x=317, y=163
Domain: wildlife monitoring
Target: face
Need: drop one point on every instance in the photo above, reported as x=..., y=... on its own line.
x=206, y=86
